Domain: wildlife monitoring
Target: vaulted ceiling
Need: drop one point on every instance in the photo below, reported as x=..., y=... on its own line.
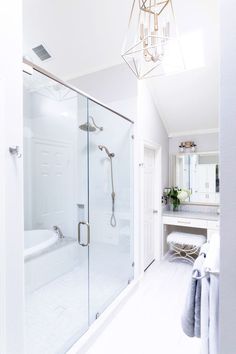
x=82, y=36
x=86, y=36
x=188, y=101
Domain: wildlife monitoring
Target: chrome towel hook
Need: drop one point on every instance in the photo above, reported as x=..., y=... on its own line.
x=15, y=150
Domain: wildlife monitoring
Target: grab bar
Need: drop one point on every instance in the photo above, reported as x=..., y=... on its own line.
x=88, y=233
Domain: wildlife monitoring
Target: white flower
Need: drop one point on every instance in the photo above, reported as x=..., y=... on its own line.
x=183, y=194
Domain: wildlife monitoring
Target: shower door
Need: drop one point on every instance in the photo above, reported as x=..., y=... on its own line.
x=110, y=208
x=55, y=203
x=77, y=212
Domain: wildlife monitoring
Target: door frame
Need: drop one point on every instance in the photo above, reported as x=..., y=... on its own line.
x=158, y=192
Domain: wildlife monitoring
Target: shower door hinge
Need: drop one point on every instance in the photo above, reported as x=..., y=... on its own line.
x=129, y=281
x=132, y=136
x=133, y=264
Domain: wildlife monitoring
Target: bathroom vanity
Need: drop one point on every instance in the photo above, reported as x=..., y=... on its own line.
x=198, y=172
x=193, y=222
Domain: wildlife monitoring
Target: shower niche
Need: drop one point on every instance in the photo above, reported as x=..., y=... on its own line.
x=78, y=211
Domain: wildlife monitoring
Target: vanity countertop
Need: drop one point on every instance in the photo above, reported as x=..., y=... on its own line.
x=191, y=215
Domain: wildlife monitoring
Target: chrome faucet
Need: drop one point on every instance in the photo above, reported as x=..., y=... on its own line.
x=58, y=231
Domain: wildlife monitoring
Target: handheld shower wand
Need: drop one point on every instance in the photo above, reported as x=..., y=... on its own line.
x=113, y=195
x=109, y=154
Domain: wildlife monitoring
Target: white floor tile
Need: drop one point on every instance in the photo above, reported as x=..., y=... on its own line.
x=57, y=314
x=149, y=323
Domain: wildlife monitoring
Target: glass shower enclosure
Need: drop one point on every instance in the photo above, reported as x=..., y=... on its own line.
x=78, y=211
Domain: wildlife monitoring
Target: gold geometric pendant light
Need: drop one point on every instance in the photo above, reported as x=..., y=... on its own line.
x=154, y=7
x=151, y=47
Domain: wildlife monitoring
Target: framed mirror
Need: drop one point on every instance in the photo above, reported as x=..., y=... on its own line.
x=200, y=173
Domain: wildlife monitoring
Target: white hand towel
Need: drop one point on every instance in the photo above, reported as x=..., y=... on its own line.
x=205, y=315
x=212, y=261
x=214, y=314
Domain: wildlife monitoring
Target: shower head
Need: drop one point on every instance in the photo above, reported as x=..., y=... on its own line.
x=109, y=154
x=88, y=127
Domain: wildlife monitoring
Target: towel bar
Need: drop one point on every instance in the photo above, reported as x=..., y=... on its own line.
x=207, y=272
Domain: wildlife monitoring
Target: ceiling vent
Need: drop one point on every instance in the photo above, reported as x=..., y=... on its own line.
x=41, y=52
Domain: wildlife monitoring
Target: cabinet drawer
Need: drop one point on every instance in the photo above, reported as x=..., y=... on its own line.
x=185, y=222
x=213, y=225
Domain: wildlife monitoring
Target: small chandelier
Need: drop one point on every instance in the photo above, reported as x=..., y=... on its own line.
x=186, y=146
x=151, y=46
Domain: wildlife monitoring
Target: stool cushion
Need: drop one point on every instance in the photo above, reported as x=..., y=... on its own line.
x=183, y=238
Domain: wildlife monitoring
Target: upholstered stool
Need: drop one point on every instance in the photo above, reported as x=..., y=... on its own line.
x=185, y=246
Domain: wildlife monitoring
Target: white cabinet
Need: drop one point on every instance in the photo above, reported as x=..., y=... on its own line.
x=178, y=221
x=214, y=225
x=205, y=183
x=212, y=229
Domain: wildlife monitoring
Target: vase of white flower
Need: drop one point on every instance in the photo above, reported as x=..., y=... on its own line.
x=174, y=207
x=177, y=196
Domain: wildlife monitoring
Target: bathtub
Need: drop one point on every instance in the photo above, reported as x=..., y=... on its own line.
x=38, y=240
x=48, y=257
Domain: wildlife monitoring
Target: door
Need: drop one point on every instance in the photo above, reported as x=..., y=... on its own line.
x=110, y=208
x=56, y=215
x=52, y=170
x=149, y=206
x=78, y=212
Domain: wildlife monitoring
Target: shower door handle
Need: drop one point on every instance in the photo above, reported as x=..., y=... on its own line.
x=88, y=233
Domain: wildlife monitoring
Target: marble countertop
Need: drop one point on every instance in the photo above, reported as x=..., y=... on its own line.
x=192, y=215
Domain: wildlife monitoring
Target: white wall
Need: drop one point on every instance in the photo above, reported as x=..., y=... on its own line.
x=205, y=142
x=50, y=138
x=127, y=107
x=118, y=88
x=151, y=127
x=11, y=199
x=228, y=173
x=115, y=87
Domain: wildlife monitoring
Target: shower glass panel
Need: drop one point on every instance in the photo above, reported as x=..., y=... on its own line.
x=78, y=211
x=56, y=200
x=110, y=208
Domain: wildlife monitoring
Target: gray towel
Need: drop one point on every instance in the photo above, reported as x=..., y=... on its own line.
x=191, y=317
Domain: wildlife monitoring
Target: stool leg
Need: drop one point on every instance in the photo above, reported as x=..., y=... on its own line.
x=184, y=252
